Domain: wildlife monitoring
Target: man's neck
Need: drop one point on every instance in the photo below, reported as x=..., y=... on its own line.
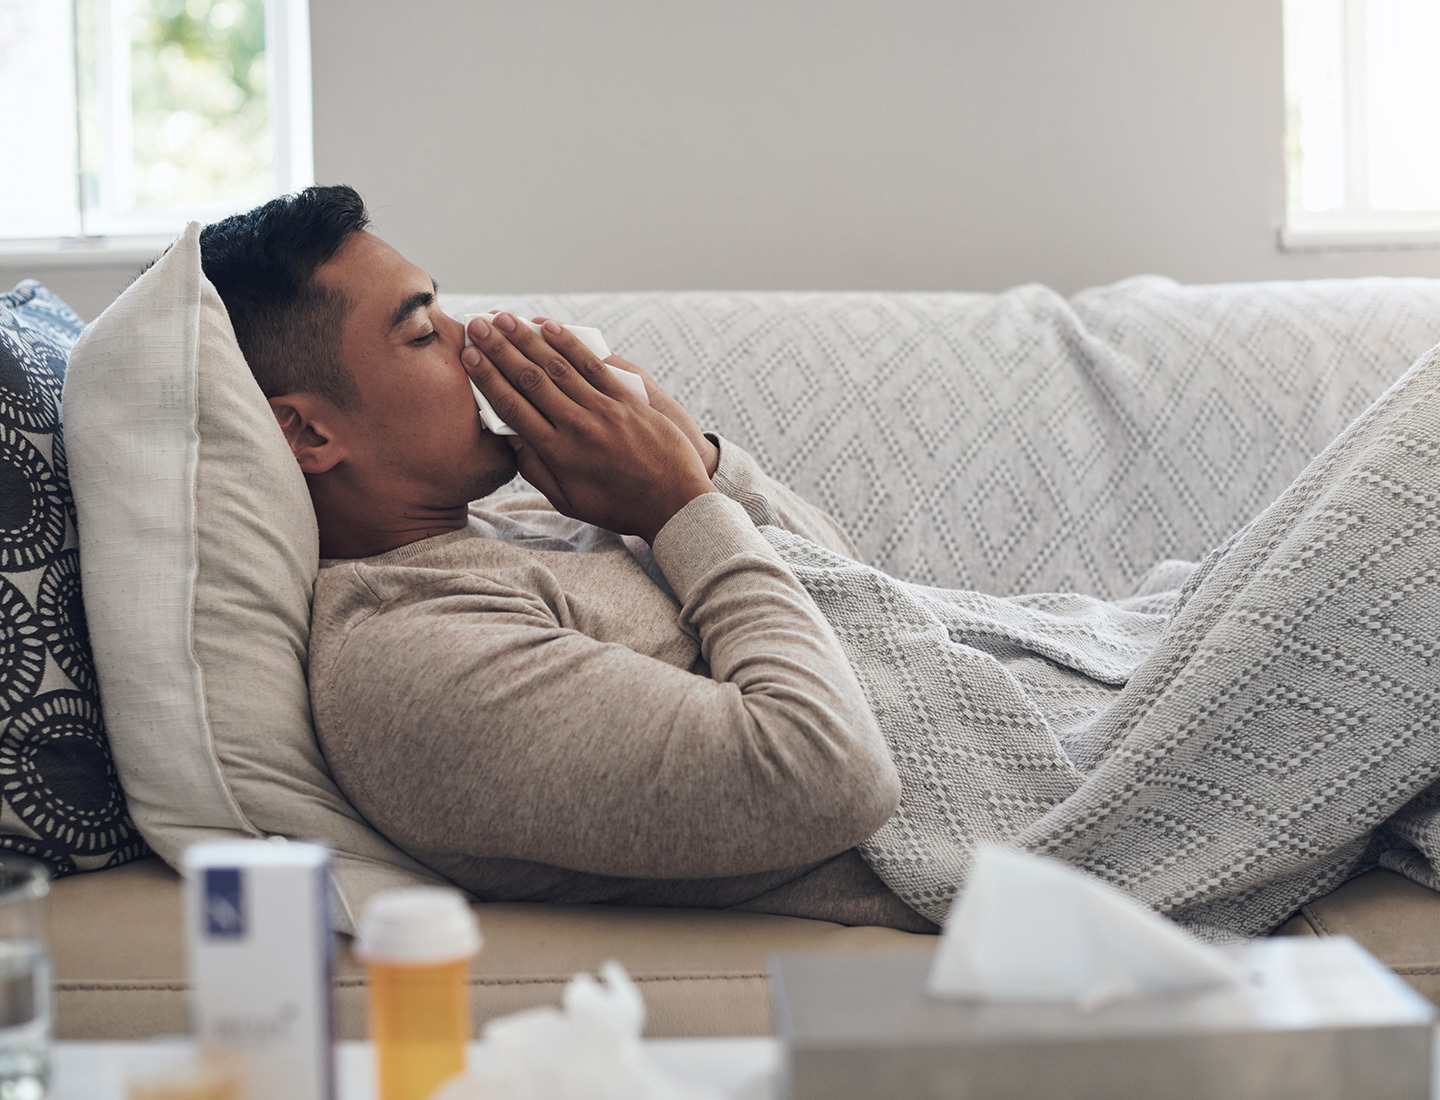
x=347, y=531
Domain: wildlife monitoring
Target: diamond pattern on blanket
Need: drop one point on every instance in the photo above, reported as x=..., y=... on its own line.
x=1121, y=415
x=1076, y=432
x=1000, y=516
x=1278, y=711
x=1273, y=717
x=787, y=382
x=933, y=406
x=1219, y=442
x=852, y=490
x=1322, y=726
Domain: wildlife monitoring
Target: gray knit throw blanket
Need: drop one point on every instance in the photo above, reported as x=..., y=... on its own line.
x=1235, y=740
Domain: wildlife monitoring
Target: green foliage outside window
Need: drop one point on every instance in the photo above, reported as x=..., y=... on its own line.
x=201, y=118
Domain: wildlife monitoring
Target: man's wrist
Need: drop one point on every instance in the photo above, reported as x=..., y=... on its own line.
x=682, y=498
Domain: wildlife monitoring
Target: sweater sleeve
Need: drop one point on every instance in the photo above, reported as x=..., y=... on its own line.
x=473, y=721
x=769, y=503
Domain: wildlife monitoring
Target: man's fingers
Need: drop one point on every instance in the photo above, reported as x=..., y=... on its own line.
x=504, y=395
x=542, y=372
x=500, y=339
x=585, y=362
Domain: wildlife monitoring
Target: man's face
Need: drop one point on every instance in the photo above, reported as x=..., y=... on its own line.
x=415, y=439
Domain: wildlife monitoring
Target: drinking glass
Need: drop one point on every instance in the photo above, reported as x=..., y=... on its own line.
x=25, y=1005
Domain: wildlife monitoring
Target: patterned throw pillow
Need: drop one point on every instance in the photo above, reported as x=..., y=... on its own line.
x=60, y=799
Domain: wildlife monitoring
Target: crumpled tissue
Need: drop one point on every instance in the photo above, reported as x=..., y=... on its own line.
x=587, y=1050
x=1027, y=928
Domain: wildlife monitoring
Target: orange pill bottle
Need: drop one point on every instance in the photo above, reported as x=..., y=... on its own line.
x=417, y=945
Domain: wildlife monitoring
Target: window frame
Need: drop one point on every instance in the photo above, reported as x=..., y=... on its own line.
x=123, y=235
x=1357, y=225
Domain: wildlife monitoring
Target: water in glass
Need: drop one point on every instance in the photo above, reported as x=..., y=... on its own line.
x=25, y=1000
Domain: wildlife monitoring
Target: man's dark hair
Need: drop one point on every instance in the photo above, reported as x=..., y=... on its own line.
x=263, y=264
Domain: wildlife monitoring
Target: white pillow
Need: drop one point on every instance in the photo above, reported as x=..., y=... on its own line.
x=198, y=553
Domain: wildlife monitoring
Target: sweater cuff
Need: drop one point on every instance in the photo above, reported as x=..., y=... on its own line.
x=737, y=471
x=709, y=530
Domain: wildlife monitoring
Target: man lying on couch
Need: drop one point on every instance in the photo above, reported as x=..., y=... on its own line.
x=669, y=683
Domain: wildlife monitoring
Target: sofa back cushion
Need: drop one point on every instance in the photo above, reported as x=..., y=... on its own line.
x=1022, y=441
x=60, y=798
x=199, y=548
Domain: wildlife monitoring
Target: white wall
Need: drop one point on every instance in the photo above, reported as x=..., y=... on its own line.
x=891, y=144
x=895, y=144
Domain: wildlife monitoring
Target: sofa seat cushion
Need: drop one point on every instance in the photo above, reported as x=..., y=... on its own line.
x=1393, y=918
x=119, y=952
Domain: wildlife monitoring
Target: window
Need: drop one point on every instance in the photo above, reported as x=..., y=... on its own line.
x=1362, y=84
x=141, y=115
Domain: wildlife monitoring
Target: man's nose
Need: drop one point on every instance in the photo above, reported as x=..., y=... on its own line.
x=453, y=332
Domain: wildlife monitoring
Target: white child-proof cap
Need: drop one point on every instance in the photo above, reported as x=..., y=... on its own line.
x=418, y=926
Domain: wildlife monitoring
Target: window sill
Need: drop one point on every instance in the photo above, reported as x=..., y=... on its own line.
x=81, y=252
x=1347, y=239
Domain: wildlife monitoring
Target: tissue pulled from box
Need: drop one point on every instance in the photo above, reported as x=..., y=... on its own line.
x=1026, y=928
x=587, y=1050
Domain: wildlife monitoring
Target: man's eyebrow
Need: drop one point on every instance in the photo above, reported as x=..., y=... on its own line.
x=421, y=299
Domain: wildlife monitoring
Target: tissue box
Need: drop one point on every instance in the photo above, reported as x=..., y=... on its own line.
x=1319, y=1018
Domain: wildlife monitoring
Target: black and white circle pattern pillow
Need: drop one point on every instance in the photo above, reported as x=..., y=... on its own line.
x=60, y=799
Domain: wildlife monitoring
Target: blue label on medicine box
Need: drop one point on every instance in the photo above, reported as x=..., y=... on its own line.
x=224, y=903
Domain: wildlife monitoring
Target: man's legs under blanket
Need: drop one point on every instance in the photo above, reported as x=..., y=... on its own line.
x=1288, y=710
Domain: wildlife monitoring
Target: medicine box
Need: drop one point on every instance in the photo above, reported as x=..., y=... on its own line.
x=1316, y=1018
x=261, y=957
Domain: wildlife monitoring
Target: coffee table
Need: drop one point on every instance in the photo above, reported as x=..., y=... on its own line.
x=744, y=1069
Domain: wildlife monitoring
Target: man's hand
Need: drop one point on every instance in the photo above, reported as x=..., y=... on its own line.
x=594, y=449
x=663, y=402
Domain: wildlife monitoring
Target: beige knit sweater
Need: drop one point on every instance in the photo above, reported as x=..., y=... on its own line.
x=542, y=710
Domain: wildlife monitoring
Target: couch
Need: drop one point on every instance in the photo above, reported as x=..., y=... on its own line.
x=1003, y=442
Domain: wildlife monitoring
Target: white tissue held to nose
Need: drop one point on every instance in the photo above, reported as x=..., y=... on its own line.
x=590, y=337
x=1030, y=929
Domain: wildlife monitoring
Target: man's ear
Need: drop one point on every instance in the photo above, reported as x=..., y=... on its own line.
x=309, y=422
